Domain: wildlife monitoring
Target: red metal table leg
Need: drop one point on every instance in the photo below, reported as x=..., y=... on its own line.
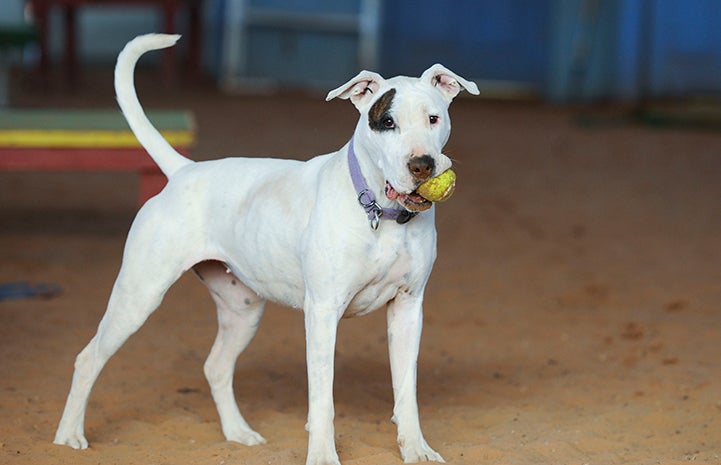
x=169, y=10
x=71, y=57
x=40, y=10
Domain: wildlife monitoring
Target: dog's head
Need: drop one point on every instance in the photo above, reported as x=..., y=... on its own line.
x=404, y=126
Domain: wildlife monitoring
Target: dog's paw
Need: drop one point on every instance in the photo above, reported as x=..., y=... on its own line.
x=418, y=451
x=323, y=459
x=247, y=437
x=321, y=446
x=75, y=440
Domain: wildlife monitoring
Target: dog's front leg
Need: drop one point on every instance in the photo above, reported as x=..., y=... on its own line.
x=405, y=322
x=321, y=323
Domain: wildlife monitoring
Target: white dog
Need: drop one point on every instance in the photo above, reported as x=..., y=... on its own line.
x=338, y=236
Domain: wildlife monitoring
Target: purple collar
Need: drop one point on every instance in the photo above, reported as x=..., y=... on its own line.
x=367, y=199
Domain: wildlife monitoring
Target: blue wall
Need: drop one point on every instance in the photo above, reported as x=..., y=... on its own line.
x=567, y=50
x=638, y=48
x=490, y=39
x=685, y=46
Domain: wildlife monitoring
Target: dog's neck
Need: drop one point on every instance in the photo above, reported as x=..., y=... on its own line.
x=367, y=198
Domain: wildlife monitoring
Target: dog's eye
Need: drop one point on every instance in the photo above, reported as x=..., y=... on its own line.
x=433, y=119
x=388, y=123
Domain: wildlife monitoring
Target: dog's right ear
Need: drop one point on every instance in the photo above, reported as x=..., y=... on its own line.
x=448, y=82
x=359, y=90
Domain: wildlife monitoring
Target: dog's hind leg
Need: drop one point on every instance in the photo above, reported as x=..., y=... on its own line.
x=239, y=312
x=149, y=268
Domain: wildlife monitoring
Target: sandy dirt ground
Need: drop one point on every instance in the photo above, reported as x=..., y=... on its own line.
x=572, y=316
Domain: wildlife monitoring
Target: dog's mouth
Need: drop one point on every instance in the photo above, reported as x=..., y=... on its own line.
x=412, y=202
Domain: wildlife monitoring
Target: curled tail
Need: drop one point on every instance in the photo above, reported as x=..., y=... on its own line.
x=166, y=157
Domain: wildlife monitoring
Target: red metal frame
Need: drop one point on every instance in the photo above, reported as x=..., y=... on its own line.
x=152, y=180
x=169, y=8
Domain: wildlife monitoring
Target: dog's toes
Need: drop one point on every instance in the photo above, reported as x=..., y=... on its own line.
x=430, y=456
x=426, y=455
x=322, y=452
x=419, y=452
x=249, y=438
x=76, y=441
x=331, y=459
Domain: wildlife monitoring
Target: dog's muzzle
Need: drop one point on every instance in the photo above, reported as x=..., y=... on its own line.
x=413, y=201
x=367, y=199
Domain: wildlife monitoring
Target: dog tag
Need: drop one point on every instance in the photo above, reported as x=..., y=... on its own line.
x=404, y=217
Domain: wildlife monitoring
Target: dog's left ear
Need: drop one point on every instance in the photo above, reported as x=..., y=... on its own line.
x=448, y=82
x=359, y=90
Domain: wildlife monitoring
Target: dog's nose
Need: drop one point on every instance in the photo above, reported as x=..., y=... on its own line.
x=422, y=167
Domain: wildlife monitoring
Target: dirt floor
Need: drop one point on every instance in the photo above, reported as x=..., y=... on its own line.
x=572, y=317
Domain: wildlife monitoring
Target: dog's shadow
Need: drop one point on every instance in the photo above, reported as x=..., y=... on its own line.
x=362, y=384
x=362, y=387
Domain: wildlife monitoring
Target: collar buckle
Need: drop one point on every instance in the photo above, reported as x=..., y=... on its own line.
x=369, y=204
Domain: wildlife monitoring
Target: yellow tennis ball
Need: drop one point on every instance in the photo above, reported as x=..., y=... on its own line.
x=440, y=188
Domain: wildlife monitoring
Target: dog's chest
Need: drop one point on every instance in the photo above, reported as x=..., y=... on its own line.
x=389, y=268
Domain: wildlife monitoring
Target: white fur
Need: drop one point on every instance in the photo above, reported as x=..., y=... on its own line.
x=287, y=231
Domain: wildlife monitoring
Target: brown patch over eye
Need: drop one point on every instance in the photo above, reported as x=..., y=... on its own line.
x=379, y=114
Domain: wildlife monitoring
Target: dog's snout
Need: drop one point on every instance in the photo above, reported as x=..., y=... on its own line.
x=422, y=167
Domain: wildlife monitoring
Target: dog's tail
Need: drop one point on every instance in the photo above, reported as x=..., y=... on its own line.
x=166, y=157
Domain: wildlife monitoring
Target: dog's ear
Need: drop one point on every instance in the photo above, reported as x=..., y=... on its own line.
x=359, y=90
x=447, y=82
